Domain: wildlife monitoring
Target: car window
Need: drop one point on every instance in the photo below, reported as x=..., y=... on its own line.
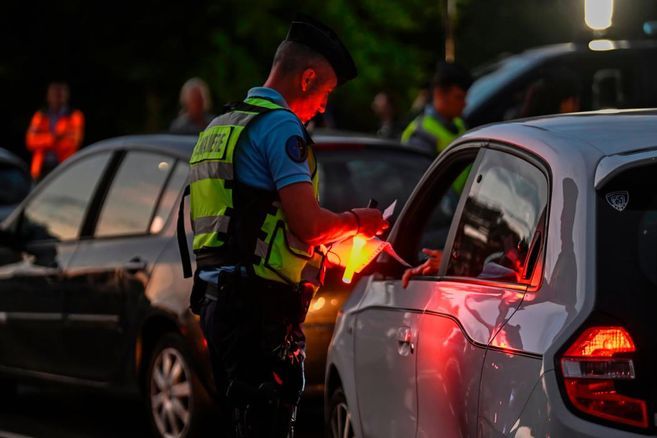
x=501, y=214
x=131, y=200
x=494, y=77
x=348, y=179
x=14, y=184
x=58, y=209
x=435, y=234
x=174, y=187
x=430, y=212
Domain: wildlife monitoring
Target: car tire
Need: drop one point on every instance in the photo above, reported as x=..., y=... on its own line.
x=176, y=401
x=339, y=423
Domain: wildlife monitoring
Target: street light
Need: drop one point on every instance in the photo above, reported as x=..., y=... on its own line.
x=598, y=13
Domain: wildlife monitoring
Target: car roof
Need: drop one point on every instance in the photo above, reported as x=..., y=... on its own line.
x=607, y=132
x=182, y=145
x=552, y=50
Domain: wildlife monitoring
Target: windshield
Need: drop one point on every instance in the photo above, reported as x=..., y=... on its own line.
x=14, y=185
x=349, y=178
x=495, y=77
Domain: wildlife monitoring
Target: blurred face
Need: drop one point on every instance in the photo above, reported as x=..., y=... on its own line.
x=316, y=84
x=194, y=102
x=57, y=96
x=449, y=102
x=382, y=106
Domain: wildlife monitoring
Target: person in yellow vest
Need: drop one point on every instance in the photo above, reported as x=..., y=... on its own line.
x=440, y=122
x=259, y=231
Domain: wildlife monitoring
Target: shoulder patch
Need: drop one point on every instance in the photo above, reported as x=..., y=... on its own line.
x=297, y=149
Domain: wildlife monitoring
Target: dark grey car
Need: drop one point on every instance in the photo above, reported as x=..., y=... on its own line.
x=612, y=74
x=91, y=288
x=15, y=182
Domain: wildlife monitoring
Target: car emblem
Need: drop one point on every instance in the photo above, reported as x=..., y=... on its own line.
x=618, y=200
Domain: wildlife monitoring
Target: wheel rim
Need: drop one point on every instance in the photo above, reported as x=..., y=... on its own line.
x=171, y=394
x=341, y=422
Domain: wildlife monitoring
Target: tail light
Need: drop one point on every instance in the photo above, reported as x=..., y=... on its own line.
x=598, y=358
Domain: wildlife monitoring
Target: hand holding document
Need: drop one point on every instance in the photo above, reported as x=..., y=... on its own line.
x=358, y=252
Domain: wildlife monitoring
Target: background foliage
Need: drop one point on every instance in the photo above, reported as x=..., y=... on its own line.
x=126, y=60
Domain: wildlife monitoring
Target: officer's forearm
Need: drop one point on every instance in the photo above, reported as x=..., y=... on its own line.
x=311, y=223
x=331, y=227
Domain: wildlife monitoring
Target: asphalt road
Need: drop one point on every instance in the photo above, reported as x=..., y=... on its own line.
x=59, y=413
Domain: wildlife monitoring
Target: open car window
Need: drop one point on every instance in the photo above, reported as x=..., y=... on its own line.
x=502, y=218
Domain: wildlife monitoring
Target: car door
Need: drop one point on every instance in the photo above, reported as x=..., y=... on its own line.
x=112, y=265
x=34, y=278
x=487, y=265
x=388, y=324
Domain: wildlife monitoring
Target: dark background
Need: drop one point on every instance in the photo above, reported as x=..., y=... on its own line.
x=126, y=60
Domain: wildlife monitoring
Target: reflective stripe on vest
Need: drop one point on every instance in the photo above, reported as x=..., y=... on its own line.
x=279, y=255
x=432, y=131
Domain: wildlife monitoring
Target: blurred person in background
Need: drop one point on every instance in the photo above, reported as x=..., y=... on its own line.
x=440, y=122
x=383, y=106
x=196, y=103
x=556, y=93
x=55, y=133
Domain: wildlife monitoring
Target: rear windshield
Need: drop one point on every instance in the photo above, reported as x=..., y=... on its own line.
x=627, y=228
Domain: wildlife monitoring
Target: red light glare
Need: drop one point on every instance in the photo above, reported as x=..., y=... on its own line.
x=601, y=342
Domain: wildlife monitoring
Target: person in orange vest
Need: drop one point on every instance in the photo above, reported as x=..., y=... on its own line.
x=55, y=133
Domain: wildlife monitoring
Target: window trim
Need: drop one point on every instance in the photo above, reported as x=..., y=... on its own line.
x=122, y=153
x=535, y=280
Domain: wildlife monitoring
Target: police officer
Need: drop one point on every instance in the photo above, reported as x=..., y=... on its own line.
x=259, y=232
x=440, y=122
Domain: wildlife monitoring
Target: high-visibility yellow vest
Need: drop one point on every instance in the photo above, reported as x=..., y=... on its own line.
x=427, y=129
x=237, y=224
x=430, y=130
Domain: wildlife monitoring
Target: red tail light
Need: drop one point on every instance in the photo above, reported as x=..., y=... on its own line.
x=591, y=366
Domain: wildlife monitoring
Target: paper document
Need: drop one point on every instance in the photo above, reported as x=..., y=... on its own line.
x=388, y=212
x=341, y=254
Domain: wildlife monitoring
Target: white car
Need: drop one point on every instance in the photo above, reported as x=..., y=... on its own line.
x=541, y=319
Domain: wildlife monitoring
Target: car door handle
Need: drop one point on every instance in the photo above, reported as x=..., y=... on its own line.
x=135, y=265
x=405, y=341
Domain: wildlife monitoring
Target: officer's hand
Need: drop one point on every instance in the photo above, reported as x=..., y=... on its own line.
x=371, y=221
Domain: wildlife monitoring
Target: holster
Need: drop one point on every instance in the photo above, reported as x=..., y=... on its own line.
x=305, y=293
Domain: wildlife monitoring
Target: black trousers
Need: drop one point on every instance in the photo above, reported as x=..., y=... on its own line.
x=257, y=351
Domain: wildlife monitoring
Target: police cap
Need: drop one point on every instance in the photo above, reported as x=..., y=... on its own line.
x=319, y=37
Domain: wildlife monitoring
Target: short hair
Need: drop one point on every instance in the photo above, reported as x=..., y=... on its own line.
x=450, y=74
x=202, y=86
x=293, y=57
